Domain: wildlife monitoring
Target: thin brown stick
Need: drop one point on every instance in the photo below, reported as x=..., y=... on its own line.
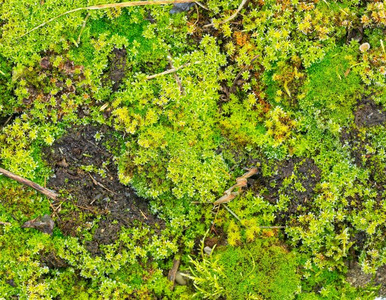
x=50, y=194
x=143, y=215
x=100, y=184
x=203, y=6
x=212, y=228
x=4, y=223
x=168, y=71
x=111, y=5
x=262, y=227
x=176, y=76
x=173, y=271
x=226, y=198
x=6, y=122
x=232, y=16
x=87, y=208
x=272, y=227
x=198, y=15
x=137, y=3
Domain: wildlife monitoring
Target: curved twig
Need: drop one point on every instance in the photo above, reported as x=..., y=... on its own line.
x=229, y=195
x=170, y=71
x=242, y=4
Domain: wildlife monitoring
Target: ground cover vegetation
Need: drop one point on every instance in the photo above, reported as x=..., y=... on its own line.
x=140, y=120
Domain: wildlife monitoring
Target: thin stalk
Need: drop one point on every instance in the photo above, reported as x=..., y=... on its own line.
x=168, y=71
x=232, y=16
x=50, y=194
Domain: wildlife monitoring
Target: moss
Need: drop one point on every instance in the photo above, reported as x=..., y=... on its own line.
x=7, y=103
x=283, y=85
x=260, y=270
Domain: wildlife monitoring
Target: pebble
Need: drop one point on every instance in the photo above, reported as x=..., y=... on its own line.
x=180, y=279
x=44, y=224
x=364, y=47
x=180, y=7
x=208, y=250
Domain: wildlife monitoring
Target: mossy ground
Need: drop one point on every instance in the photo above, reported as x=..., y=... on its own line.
x=138, y=160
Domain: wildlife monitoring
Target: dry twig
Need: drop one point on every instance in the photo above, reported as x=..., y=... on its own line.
x=232, y=16
x=226, y=198
x=241, y=182
x=173, y=271
x=272, y=227
x=50, y=194
x=7, y=121
x=178, y=80
x=201, y=5
x=241, y=72
x=167, y=71
x=143, y=215
x=100, y=184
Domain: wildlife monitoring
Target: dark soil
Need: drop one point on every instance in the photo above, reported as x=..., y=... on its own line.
x=356, y=143
x=50, y=260
x=355, y=34
x=117, y=68
x=4, y=120
x=357, y=278
x=369, y=114
x=218, y=237
x=89, y=195
x=351, y=139
x=306, y=173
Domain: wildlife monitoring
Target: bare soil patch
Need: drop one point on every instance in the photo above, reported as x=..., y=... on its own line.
x=86, y=175
x=305, y=173
x=369, y=114
x=117, y=68
x=357, y=278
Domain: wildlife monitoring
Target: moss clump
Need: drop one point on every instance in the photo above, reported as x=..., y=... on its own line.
x=263, y=269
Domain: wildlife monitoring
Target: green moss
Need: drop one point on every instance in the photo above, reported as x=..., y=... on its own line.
x=278, y=84
x=260, y=270
x=7, y=104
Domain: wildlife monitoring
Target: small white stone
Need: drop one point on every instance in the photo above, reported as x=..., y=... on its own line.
x=364, y=47
x=180, y=279
x=208, y=250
